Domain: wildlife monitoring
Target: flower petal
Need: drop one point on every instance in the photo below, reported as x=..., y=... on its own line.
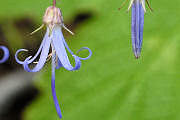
x=61, y=51
x=137, y=27
x=6, y=54
x=141, y=26
x=59, y=64
x=36, y=55
x=42, y=59
x=16, y=55
x=53, y=86
x=85, y=48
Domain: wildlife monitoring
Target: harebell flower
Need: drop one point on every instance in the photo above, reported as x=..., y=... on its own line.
x=137, y=24
x=53, y=39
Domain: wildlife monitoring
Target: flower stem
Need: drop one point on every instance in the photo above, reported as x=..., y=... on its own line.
x=53, y=84
x=54, y=3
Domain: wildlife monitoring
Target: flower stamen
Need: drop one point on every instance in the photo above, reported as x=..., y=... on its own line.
x=123, y=4
x=37, y=29
x=147, y=1
x=67, y=29
x=141, y=1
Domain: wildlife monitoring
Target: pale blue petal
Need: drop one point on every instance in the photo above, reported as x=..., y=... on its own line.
x=137, y=27
x=42, y=59
x=36, y=55
x=85, y=48
x=6, y=54
x=59, y=64
x=141, y=26
x=61, y=51
x=16, y=55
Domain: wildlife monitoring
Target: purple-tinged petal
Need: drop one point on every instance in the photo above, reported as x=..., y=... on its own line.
x=36, y=55
x=6, y=54
x=137, y=27
x=42, y=59
x=61, y=51
x=16, y=55
x=141, y=26
x=85, y=48
x=53, y=86
x=59, y=64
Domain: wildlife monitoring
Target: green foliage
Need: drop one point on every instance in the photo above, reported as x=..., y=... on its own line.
x=112, y=85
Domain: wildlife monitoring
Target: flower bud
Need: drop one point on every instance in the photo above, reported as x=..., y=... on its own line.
x=52, y=17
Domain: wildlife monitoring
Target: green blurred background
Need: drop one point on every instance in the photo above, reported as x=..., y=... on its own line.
x=112, y=85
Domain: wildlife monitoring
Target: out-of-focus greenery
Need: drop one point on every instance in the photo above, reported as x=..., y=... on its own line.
x=112, y=85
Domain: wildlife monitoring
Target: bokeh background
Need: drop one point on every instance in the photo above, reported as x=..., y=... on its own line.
x=112, y=85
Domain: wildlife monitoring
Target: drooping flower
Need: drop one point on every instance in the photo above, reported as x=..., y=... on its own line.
x=137, y=24
x=6, y=54
x=53, y=39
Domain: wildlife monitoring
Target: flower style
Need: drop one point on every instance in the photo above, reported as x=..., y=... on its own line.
x=6, y=54
x=137, y=24
x=53, y=39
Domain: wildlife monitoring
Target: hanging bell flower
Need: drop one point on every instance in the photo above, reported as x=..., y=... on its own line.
x=55, y=41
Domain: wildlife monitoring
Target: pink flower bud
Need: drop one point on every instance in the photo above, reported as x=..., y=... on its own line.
x=52, y=17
